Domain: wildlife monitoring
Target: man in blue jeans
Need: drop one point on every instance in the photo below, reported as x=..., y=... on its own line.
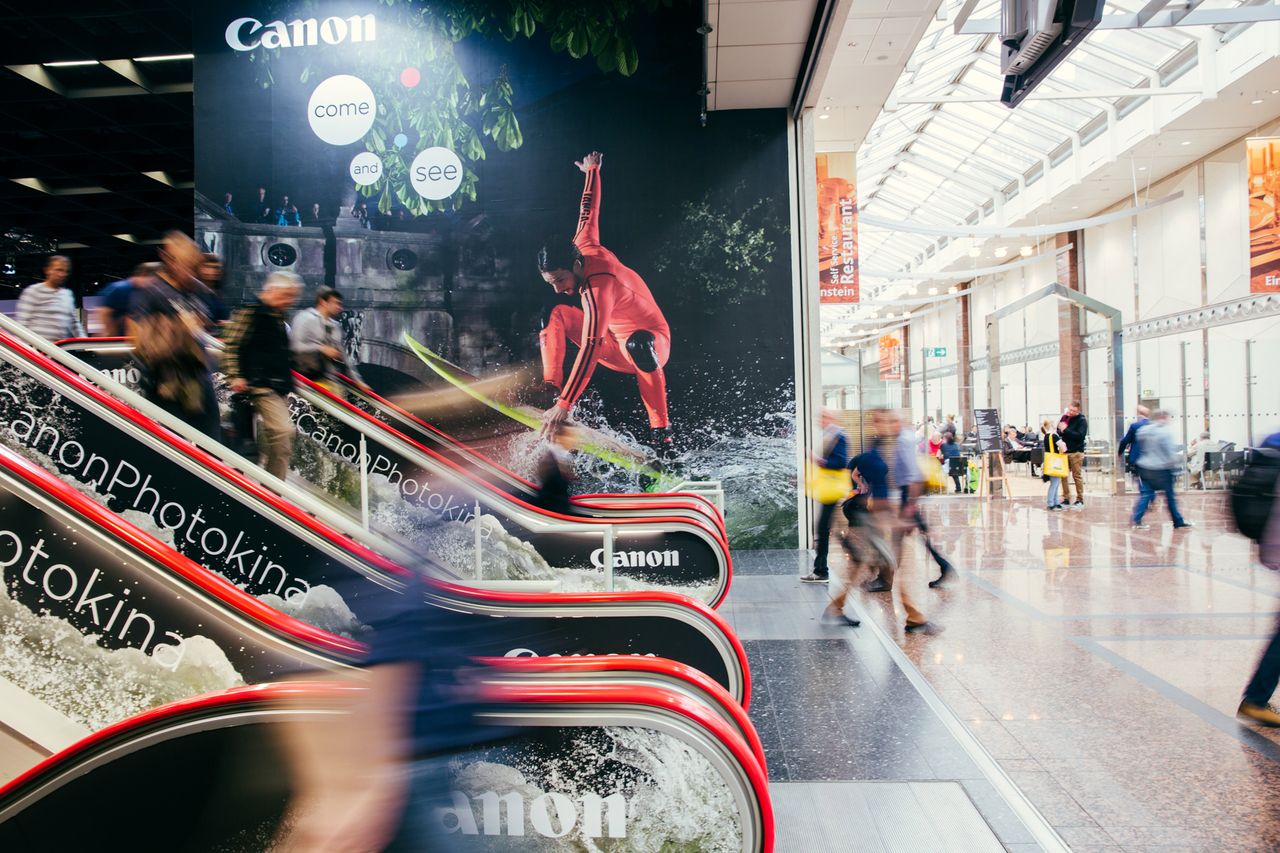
x=1256, y=703
x=1157, y=460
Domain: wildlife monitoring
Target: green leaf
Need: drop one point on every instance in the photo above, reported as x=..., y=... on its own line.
x=579, y=44
x=384, y=202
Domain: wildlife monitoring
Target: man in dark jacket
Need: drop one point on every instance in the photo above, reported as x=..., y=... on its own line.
x=1074, y=429
x=1130, y=441
x=835, y=454
x=256, y=360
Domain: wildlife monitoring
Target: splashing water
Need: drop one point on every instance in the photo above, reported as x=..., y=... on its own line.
x=94, y=686
x=676, y=801
x=753, y=458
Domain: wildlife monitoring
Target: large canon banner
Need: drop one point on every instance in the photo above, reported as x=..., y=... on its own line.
x=437, y=163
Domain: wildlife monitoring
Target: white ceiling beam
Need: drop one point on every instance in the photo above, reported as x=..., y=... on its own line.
x=1041, y=95
x=1147, y=12
x=1167, y=18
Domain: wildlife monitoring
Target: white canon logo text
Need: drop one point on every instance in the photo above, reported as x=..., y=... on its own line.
x=248, y=33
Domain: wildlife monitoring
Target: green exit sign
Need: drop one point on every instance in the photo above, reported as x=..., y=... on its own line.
x=935, y=352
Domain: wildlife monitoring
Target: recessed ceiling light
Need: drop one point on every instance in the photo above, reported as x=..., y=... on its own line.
x=975, y=252
x=1275, y=91
x=1186, y=142
x=1142, y=168
x=1256, y=101
x=1075, y=207
x=70, y=64
x=933, y=291
x=953, y=289
x=168, y=57
x=823, y=115
x=1002, y=252
x=1026, y=251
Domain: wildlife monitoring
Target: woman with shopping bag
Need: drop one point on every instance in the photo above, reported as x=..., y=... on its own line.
x=828, y=483
x=1055, y=466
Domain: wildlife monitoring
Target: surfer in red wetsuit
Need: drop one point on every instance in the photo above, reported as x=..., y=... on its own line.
x=618, y=324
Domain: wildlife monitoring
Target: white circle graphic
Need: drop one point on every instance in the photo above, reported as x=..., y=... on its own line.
x=436, y=173
x=366, y=168
x=342, y=109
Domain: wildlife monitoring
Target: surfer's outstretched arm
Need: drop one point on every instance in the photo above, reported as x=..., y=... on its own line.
x=588, y=233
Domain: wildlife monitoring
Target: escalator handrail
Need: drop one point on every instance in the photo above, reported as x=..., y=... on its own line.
x=467, y=476
x=463, y=447
x=462, y=473
x=654, y=697
x=446, y=589
x=185, y=568
x=642, y=664
x=173, y=713
x=257, y=490
x=166, y=714
x=700, y=500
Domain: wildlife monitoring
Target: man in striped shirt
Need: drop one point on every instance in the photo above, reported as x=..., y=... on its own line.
x=619, y=324
x=49, y=309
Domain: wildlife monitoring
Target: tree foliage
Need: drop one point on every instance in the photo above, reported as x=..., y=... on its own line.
x=726, y=247
x=446, y=108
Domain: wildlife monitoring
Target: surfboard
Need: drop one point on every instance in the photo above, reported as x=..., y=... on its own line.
x=594, y=444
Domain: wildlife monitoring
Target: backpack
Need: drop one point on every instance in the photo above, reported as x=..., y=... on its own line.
x=1254, y=493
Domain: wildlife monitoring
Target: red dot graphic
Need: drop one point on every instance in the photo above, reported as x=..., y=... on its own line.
x=410, y=77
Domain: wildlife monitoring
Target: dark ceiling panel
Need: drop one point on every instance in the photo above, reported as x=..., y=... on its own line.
x=94, y=141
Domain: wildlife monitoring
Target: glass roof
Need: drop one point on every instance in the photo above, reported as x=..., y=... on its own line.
x=941, y=162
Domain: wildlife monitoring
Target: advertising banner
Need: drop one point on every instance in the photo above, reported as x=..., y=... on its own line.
x=837, y=229
x=529, y=194
x=890, y=358
x=1263, y=156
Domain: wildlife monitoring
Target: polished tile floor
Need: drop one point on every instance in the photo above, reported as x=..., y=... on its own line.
x=1101, y=666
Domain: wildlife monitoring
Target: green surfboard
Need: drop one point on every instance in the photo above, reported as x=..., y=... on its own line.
x=454, y=376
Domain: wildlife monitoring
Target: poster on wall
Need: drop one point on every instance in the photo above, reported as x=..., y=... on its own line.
x=838, y=276
x=890, y=358
x=529, y=195
x=1263, y=155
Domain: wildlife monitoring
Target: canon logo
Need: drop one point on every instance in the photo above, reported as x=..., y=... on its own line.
x=249, y=33
x=551, y=815
x=636, y=559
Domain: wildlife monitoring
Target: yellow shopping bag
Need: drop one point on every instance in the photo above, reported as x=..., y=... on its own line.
x=931, y=468
x=828, y=485
x=1055, y=464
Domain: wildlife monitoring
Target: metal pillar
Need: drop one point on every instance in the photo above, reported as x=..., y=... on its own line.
x=1186, y=461
x=1248, y=390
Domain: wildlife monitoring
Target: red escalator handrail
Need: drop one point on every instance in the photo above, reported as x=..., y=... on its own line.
x=445, y=436
x=520, y=694
x=249, y=694
x=212, y=463
x=653, y=697
x=445, y=587
x=644, y=664
x=463, y=447
x=456, y=591
x=467, y=476
x=190, y=571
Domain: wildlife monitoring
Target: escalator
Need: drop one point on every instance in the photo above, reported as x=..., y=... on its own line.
x=591, y=766
x=289, y=554
x=627, y=730
x=397, y=476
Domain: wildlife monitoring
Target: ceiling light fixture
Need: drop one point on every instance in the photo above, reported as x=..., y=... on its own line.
x=168, y=57
x=1002, y=252
x=975, y=252
x=824, y=115
x=70, y=63
x=1142, y=168
x=933, y=291
x=1186, y=142
x=1026, y=251
x=955, y=288
x=1256, y=101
